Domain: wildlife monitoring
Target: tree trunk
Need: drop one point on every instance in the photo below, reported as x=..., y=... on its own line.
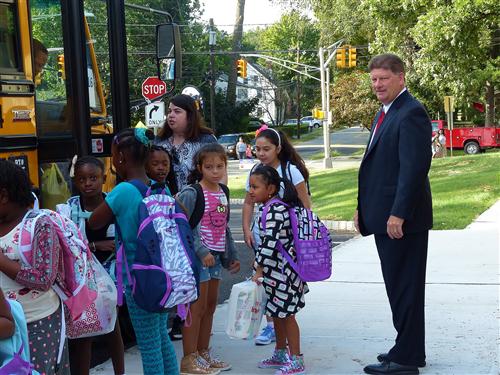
x=490, y=87
x=237, y=36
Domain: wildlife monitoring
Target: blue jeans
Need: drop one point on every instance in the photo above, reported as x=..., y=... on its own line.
x=213, y=272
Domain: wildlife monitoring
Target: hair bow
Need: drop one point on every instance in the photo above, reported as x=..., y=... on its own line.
x=140, y=135
x=262, y=128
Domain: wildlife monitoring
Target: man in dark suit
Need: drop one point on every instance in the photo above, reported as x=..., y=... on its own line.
x=395, y=204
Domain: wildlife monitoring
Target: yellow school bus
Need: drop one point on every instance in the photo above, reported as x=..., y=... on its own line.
x=69, y=72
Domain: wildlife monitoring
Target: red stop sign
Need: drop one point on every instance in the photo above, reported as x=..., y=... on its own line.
x=153, y=87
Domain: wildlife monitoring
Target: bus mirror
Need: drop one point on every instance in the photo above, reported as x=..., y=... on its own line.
x=168, y=51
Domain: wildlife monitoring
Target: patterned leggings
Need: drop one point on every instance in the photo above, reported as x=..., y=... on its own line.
x=151, y=330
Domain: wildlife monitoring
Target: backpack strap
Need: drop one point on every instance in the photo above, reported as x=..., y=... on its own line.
x=225, y=189
x=120, y=260
x=199, y=206
x=141, y=186
x=293, y=224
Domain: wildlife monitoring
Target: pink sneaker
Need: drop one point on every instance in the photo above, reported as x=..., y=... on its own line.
x=277, y=360
x=294, y=367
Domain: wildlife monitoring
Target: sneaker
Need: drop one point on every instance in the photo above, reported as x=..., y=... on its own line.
x=277, y=360
x=267, y=336
x=295, y=367
x=214, y=362
x=192, y=364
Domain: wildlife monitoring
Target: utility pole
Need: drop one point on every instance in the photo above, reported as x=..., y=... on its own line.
x=327, y=161
x=211, y=42
x=298, y=95
x=237, y=36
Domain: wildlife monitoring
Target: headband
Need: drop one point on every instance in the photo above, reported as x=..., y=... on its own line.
x=265, y=127
x=140, y=135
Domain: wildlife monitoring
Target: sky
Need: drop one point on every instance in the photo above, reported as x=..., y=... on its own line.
x=256, y=12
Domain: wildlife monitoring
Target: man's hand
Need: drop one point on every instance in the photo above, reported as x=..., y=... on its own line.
x=395, y=227
x=356, y=220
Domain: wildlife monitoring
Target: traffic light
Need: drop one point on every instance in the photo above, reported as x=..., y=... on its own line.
x=341, y=57
x=241, y=68
x=61, y=71
x=318, y=114
x=352, y=57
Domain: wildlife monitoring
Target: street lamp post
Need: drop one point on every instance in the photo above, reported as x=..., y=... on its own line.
x=212, y=41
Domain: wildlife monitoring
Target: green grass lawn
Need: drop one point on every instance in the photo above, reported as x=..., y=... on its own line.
x=462, y=188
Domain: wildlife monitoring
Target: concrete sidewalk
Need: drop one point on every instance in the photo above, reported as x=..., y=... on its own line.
x=347, y=319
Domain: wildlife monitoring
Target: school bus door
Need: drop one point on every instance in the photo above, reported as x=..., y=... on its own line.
x=18, y=140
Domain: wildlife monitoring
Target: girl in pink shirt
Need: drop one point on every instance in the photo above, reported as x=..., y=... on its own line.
x=214, y=247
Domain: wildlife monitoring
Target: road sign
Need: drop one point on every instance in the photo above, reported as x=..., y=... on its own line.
x=153, y=87
x=155, y=115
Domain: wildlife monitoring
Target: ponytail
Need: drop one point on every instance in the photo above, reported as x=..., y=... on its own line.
x=288, y=152
x=270, y=176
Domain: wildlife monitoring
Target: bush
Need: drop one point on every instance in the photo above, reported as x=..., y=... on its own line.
x=291, y=131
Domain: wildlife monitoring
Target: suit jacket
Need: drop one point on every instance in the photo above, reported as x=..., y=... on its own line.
x=393, y=176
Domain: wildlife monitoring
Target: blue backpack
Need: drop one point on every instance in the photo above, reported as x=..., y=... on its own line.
x=165, y=272
x=14, y=351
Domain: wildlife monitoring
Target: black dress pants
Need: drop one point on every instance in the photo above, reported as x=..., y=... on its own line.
x=403, y=264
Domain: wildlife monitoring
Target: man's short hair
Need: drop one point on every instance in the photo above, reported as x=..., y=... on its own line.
x=39, y=47
x=387, y=61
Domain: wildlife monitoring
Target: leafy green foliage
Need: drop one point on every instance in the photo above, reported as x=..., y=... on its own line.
x=353, y=100
x=231, y=119
x=291, y=32
x=449, y=47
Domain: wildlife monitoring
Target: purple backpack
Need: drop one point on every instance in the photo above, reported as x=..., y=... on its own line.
x=165, y=271
x=311, y=241
x=14, y=351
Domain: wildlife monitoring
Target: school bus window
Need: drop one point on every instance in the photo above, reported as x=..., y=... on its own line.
x=52, y=111
x=9, y=53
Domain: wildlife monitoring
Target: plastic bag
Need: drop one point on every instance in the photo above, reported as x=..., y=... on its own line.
x=245, y=309
x=100, y=317
x=54, y=187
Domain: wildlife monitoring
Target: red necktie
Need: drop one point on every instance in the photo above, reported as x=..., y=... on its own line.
x=379, y=121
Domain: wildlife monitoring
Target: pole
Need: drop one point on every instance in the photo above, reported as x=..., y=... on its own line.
x=327, y=162
x=212, y=76
x=298, y=96
x=451, y=134
x=328, y=114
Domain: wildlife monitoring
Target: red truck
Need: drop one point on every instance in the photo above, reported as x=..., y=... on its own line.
x=472, y=139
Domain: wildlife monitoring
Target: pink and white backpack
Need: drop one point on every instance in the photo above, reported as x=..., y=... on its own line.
x=89, y=297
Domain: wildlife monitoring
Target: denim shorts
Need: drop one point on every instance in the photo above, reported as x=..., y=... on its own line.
x=214, y=272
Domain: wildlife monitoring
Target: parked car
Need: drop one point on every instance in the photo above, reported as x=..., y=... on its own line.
x=290, y=122
x=310, y=121
x=228, y=141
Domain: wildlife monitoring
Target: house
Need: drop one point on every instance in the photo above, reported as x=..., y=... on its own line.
x=257, y=84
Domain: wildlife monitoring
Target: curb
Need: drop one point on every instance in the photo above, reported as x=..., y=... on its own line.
x=335, y=225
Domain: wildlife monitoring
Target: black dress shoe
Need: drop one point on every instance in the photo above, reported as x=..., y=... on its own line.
x=390, y=368
x=383, y=358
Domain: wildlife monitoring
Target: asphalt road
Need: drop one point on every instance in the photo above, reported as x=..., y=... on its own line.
x=345, y=142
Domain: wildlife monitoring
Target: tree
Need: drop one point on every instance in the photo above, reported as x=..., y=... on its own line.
x=449, y=47
x=353, y=101
x=293, y=31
